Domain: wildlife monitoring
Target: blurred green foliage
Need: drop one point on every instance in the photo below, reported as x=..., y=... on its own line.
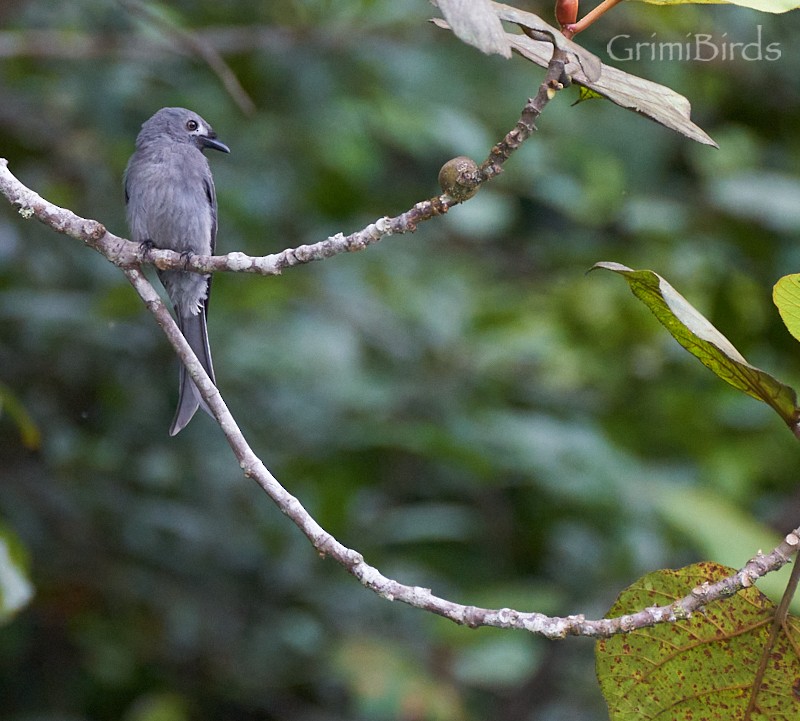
x=464, y=406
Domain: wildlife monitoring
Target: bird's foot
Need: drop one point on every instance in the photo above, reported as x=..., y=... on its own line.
x=186, y=257
x=145, y=248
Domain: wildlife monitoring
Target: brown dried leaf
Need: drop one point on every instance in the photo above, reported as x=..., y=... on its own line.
x=476, y=23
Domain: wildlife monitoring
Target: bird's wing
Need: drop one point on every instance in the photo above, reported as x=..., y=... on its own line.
x=212, y=201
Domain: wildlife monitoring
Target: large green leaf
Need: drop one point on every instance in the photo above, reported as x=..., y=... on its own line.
x=703, y=667
x=766, y=6
x=695, y=333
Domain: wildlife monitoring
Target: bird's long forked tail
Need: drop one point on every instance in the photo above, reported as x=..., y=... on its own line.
x=195, y=331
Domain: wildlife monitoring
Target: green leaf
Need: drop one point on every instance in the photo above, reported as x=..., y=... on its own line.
x=695, y=333
x=703, y=667
x=786, y=296
x=16, y=589
x=765, y=6
x=28, y=430
x=585, y=93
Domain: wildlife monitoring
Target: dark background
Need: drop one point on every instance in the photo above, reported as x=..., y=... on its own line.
x=464, y=405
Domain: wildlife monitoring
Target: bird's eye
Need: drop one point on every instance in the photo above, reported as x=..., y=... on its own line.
x=191, y=125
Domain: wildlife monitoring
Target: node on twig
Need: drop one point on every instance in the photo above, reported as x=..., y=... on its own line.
x=460, y=178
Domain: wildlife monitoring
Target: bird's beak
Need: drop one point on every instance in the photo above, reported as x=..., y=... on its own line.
x=210, y=141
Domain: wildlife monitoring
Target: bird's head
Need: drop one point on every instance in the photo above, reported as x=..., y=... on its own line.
x=182, y=126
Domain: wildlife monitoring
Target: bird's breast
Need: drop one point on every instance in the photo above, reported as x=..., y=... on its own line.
x=168, y=202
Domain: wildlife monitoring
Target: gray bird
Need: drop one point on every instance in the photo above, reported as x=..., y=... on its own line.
x=172, y=204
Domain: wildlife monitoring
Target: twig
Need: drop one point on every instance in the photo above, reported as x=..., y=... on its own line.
x=778, y=625
x=572, y=29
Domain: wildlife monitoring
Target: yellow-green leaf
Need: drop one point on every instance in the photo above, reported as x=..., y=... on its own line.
x=695, y=333
x=765, y=6
x=786, y=296
x=585, y=93
x=703, y=667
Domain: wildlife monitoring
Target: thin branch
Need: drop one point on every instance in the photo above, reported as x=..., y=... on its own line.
x=118, y=250
x=572, y=29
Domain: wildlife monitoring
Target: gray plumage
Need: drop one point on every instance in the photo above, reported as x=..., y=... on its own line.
x=172, y=204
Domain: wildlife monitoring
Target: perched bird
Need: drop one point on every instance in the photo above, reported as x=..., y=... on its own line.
x=172, y=204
